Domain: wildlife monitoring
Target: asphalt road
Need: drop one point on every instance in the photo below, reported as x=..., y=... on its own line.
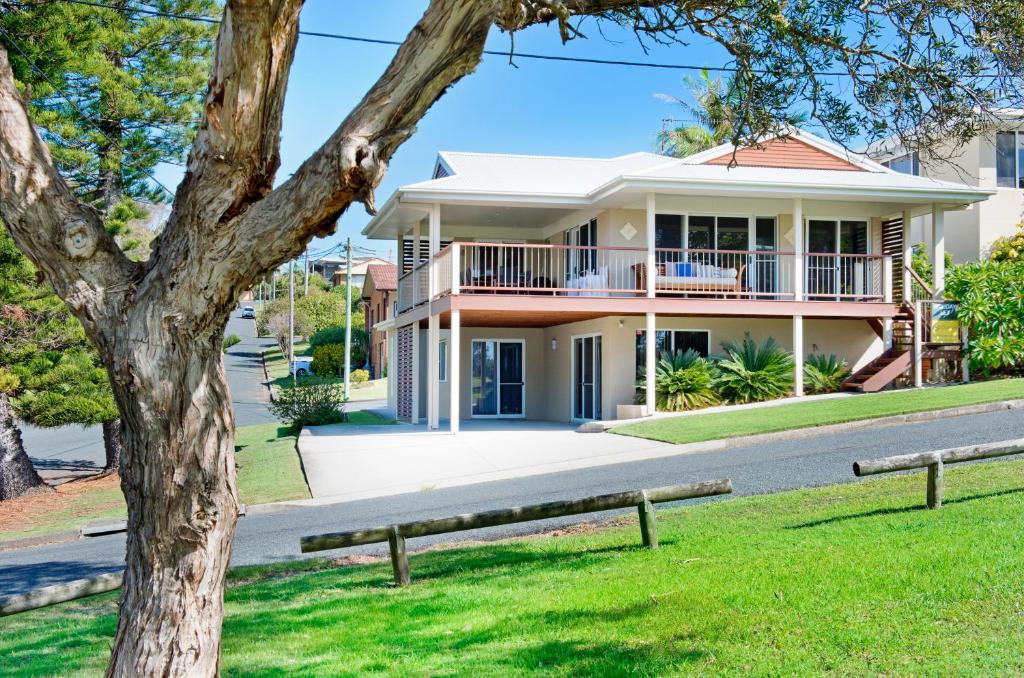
x=274, y=537
x=59, y=453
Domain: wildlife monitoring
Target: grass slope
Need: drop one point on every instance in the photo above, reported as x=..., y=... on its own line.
x=712, y=426
x=268, y=464
x=846, y=580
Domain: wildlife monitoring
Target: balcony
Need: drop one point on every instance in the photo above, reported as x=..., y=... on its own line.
x=585, y=271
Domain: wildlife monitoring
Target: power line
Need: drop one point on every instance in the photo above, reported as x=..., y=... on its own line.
x=490, y=52
x=85, y=116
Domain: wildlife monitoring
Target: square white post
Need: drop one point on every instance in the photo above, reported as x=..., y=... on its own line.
x=650, y=358
x=798, y=249
x=887, y=298
x=456, y=267
x=918, y=364
x=392, y=373
x=433, y=377
x=415, y=405
x=939, y=251
x=651, y=266
x=454, y=359
x=434, y=243
x=798, y=355
x=415, y=262
x=908, y=255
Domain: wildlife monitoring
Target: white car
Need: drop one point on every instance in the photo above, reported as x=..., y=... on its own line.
x=302, y=367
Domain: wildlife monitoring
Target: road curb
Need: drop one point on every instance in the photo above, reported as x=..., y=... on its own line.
x=41, y=540
x=813, y=431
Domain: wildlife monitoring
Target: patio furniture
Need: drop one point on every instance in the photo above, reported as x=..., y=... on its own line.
x=685, y=277
x=596, y=279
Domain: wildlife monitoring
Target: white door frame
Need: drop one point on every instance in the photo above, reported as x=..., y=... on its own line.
x=497, y=378
x=572, y=373
x=837, y=221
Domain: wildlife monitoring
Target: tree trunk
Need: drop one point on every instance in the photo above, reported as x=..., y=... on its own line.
x=178, y=477
x=113, y=444
x=17, y=475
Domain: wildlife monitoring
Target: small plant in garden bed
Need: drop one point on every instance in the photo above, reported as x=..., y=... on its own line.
x=311, y=401
x=682, y=381
x=824, y=373
x=752, y=372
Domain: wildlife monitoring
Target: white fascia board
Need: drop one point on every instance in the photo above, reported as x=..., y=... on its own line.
x=382, y=215
x=416, y=196
x=793, y=189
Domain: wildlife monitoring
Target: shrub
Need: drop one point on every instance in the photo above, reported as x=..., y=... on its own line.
x=752, y=372
x=328, y=359
x=322, y=310
x=310, y=401
x=359, y=376
x=335, y=334
x=992, y=309
x=824, y=373
x=682, y=381
x=1009, y=248
x=230, y=341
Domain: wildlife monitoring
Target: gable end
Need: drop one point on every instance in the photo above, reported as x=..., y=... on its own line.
x=786, y=153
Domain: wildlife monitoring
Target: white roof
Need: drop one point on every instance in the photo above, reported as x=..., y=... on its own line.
x=572, y=182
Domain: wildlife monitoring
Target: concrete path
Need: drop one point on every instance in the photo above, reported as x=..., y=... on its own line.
x=346, y=463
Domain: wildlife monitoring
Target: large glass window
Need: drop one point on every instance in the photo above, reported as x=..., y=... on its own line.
x=671, y=341
x=1010, y=159
x=722, y=233
x=909, y=163
x=701, y=233
x=668, y=231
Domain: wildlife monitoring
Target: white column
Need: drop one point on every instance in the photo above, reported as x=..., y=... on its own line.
x=887, y=292
x=918, y=365
x=454, y=358
x=908, y=255
x=433, y=376
x=434, y=240
x=798, y=355
x=415, y=261
x=938, y=251
x=415, y=417
x=798, y=249
x=392, y=375
x=651, y=265
x=650, y=358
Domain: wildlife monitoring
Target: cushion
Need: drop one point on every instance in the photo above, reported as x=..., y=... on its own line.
x=684, y=269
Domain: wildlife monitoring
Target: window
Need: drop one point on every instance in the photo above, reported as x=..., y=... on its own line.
x=722, y=233
x=442, y=360
x=908, y=163
x=580, y=262
x=672, y=341
x=1010, y=159
x=668, y=231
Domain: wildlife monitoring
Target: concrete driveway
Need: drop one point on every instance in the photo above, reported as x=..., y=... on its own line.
x=345, y=463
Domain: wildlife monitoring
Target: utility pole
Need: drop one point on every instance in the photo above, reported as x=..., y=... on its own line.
x=291, y=318
x=305, y=274
x=348, y=314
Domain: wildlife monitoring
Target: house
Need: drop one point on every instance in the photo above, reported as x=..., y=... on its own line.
x=379, y=297
x=359, y=266
x=993, y=160
x=562, y=276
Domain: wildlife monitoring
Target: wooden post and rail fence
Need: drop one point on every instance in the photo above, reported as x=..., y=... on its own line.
x=396, y=535
x=934, y=461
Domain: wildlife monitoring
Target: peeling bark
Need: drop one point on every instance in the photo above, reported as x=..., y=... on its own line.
x=17, y=475
x=112, y=444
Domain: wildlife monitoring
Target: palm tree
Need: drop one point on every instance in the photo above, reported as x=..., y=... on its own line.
x=714, y=112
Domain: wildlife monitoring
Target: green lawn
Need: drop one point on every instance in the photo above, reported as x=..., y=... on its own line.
x=846, y=580
x=268, y=470
x=712, y=426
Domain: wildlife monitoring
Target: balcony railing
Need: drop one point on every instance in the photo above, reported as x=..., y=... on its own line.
x=568, y=270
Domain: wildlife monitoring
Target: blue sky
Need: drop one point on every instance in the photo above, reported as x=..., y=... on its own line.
x=540, y=107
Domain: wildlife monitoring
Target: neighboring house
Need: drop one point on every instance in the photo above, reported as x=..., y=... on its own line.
x=359, y=266
x=993, y=160
x=559, y=271
x=379, y=297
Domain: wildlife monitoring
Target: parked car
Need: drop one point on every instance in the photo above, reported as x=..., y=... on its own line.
x=249, y=312
x=302, y=367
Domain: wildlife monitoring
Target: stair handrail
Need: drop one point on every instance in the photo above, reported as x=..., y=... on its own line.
x=916, y=277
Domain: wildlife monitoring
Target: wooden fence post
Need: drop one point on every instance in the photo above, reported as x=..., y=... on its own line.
x=935, y=485
x=648, y=525
x=399, y=559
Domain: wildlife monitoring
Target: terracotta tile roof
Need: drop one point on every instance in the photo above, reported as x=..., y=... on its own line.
x=384, y=276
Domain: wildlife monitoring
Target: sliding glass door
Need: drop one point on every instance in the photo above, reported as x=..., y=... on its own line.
x=586, y=379
x=829, y=275
x=498, y=378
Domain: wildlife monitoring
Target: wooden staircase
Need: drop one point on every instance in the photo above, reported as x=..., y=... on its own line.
x=891, y=365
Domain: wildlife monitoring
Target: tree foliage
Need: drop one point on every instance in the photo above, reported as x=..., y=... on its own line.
x=991, y=297
x=714, y=109
x=1009, y=247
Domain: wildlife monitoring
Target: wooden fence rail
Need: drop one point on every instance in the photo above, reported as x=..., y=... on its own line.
x=59, y=593
x=396, y=535
x=934, y=462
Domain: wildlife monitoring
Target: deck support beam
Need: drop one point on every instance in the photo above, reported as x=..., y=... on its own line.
x=798, y=355
x=650, y=358
x=454, y=362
